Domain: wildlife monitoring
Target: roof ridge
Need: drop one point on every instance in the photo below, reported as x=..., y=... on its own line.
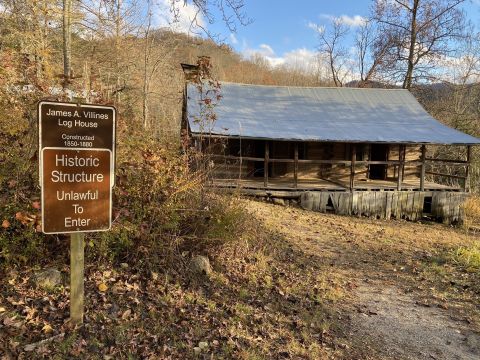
x=308, y=87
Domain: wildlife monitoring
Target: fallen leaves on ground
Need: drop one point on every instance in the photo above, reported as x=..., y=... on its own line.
x=280, y=292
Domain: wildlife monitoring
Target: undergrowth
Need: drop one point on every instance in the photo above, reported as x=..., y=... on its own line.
x=468, y=257
x=472, y=212
x=162, y=214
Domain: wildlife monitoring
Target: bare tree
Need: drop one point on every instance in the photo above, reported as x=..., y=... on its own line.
x=371, y=48
x=333, y=51
x=419, y=32
x=67, y=41
x=231, y=11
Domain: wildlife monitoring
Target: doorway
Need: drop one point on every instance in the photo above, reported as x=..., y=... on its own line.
x=378, y=152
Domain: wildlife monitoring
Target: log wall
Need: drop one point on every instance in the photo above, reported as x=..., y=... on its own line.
x=412, y=153
x=313, y=151
x=445, y=206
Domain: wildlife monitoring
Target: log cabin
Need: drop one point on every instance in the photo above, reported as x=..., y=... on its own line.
x=351, y=151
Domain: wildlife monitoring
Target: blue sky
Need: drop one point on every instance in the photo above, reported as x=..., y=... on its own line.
x=280, y=29
x=283, y=24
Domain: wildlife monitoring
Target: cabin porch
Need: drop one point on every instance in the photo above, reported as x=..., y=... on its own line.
x=285, y=184
x=272, y=165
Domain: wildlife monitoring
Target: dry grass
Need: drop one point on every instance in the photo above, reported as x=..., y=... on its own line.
x=472, y=212
x=283, y=286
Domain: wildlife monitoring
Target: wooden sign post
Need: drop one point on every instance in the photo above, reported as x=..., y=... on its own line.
x=77, y=154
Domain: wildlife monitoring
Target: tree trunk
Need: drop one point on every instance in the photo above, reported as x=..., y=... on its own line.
x=67, y=41
x=118, y=20
x=407, y=82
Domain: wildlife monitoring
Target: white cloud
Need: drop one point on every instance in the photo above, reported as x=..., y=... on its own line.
x=300, y=59
x=262, y=50
x=233, y=39
x=316, y=27
x=460, y=69
x=187, y=20
x=352, y=21
x=265, y=51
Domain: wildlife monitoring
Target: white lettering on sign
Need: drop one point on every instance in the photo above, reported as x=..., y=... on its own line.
x=72, y=195
x=69, y=222
x=94, y=115
x=66, y=123
x=63, y=113
x=61, y=177
x=86, y=124
x=75, y=161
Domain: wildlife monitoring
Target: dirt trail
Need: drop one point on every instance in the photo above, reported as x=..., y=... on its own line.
x=392, y=311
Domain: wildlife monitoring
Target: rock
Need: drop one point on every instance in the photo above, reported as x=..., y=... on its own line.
x=48, y=279
x=200, y=265
x=278, y=201
x=124, y=265
x=197, y=350
x=203, y=345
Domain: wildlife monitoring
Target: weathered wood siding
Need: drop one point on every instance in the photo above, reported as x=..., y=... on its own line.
x=447, y=206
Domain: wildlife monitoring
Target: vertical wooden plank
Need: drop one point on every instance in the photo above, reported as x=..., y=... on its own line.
x=377, y=206
x=369, y=203
x=295, y=166
x=354, y=203
x=265, y=164
x=457, y=203
x=323, y=201
x=383, y=207
x=76, y=277
x=364, y=207
x=400, y=166
x=348, y=203
x=410, y=209
x=388, y=204
x=394, y=204
x=352, y=167
x=403, y=204
x=360, y=203
x=306, y=201
x=317, y=202
x=416, y=201
x=446, y=212
x=435, y=204
x=461, y=209
x=422, y=171
x=466, y=186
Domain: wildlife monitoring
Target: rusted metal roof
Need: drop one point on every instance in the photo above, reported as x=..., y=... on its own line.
x=318, y=114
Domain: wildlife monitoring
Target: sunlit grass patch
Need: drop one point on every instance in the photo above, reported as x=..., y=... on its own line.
x=472, y=212
x=468, y=257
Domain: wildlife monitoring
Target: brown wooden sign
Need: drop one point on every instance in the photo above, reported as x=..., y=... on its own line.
x=76, y=153
x=70, y=125
x=76, y=190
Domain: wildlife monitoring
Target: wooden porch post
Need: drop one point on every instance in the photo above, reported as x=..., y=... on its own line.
x=401, y=159
x=265, y=164
x=352, y=167
x=295, y=166
x=466, y=186
x=422, y=171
